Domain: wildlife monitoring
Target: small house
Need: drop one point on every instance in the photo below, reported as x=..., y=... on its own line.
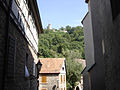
x=53, y=74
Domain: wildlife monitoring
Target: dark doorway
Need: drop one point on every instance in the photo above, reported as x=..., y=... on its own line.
x=54, y=87
x=77, y=88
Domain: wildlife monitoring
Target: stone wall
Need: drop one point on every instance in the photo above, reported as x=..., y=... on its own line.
x=21, y=49
x=3, y=29
x=18, y=81
x=52, y=80
x=86, y=85
x=103, y=24
x=115, y=54
x=93, y=50
x=107, y=46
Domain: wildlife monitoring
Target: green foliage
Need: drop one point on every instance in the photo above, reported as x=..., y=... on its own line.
x=73, y=69
x=69, y=45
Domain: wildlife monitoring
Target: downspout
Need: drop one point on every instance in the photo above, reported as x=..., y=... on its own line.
x=6, y=44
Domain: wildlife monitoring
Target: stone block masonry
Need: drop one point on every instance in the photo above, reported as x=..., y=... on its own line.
x=3, y=17
x=18, y=47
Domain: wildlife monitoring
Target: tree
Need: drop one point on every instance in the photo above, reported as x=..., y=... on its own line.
x=73, y=71
x=62, y=28
x=68, y=45
x=68, y=28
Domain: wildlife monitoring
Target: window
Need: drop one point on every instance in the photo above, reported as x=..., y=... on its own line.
x=18, y=16
x=63, y=68
x=115, y=6
x=61, y=78
x=26, y=1
x=61, y=88
x=44, y=89
x=26, y=60
x=11, y=57
x=26, y=66
x=44, y=79
x=34, y=70
x=28, y=17
x=64, y=78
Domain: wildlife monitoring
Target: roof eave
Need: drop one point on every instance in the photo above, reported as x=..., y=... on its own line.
x=37, y=15
x=84, y=17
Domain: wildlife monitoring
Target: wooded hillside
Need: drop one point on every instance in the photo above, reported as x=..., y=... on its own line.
x=69, y=45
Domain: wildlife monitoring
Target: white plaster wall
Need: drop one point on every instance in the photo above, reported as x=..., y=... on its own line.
x=63, y=66
x=63, y=73
x=62, y=84
x=31, y=32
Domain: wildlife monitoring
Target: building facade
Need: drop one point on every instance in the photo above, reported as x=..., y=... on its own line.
x=101, y=31
x=52, y=74
x=20, y=25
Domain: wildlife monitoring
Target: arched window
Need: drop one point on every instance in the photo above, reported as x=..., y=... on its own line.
x=77, y=88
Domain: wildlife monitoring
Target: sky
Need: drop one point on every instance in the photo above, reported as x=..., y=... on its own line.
x=60, y=13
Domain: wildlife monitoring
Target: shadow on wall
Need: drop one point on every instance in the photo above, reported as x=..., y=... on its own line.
x=20, y=67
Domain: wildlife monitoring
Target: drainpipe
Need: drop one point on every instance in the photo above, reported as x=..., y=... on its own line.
x=6, y=44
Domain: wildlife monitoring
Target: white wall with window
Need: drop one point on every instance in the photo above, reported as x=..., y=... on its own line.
x=62, y=77
x=27, y=21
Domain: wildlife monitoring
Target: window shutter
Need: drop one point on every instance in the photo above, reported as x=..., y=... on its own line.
x=44, y=89
x=61, y=88
x=64, y=78
x=11, y=57
x=61, y=78
x=44, y=79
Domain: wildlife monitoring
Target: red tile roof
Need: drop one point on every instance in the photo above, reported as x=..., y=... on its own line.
x=51, y=65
